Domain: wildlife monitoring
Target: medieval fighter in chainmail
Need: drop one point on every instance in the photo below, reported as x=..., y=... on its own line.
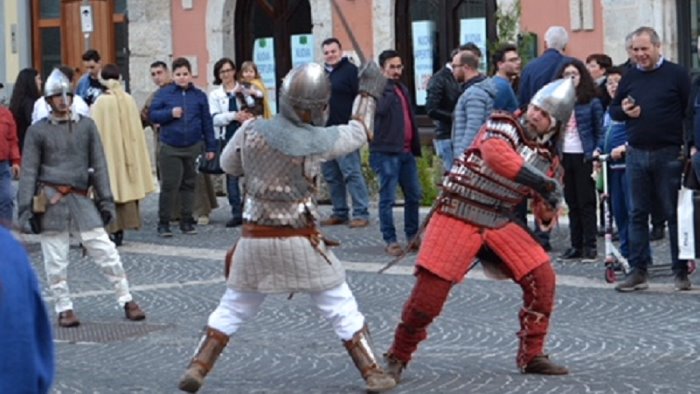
x=62, y=160
x=510, y=159
x=281, y=250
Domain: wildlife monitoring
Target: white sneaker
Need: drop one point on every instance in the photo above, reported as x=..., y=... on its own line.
x=203, y=220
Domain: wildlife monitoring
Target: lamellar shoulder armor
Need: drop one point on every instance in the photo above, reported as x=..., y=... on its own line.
x=279, y=188
x=474, y=192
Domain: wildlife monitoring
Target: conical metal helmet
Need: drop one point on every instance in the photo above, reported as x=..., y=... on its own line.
x=57, y=84
x=557, y=98
x=305, y=93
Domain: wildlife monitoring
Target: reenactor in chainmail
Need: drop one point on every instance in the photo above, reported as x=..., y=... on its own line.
x=63, y=165
x=281, y=249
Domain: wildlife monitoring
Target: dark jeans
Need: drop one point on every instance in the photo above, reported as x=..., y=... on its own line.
x=6, y=194
x=344, y=175
x=234, y=196
x=520, y=214
x=397, y=170
x=177, y=175
x=580, y=196
x=619, y=196
x=653, y=174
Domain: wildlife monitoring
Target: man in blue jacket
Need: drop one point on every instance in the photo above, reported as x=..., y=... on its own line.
x=392, y=154
x=182, y=111
x=542, y=70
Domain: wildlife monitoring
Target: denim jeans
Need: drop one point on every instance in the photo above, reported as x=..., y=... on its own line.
x=234, y=196
x=344, y=175
x=620, y=201
x=658, y=173
x=397, y=170
x=6, y=194
x=443, y=148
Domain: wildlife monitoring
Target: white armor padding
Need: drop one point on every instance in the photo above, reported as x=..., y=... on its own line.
x=337, y=305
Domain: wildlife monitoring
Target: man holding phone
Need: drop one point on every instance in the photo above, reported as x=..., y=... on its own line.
x=651, y=99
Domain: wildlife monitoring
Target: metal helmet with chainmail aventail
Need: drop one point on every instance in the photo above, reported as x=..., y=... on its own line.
x=305, y=93
x=557, y=98
x=57, y=84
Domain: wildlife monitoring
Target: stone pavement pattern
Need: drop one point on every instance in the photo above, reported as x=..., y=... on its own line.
x=613, y=343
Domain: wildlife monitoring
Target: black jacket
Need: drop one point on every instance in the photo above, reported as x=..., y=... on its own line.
x=443, y=93
x=344, y=85
x=389, y=125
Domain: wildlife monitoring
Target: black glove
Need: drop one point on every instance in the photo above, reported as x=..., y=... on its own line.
x=547, y=187
x=553, y=194
x=106, y=217
x=35, y=224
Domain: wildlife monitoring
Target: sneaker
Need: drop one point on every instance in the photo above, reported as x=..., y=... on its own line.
x=68, y=319
x=203, y=220
x=413, y=245
x=164, y=231
x=333, y=221
x=133, y=312
x=187, y=227
x=637, y=280
x=358, y=223
x=234, y=222
x=590, y=255
x=657, y=233
x=682, y=282
x=394, y=249
x=571, y=254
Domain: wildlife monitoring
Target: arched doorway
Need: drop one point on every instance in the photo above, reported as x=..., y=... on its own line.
x=276, y=35
x=427, y=31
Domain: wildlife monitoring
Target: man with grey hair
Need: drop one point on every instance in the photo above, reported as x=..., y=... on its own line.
x=652, y=98
x=535, y=75
x=542, y=70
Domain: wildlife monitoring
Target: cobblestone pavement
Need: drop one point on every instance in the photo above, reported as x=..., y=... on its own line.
x=613, y=343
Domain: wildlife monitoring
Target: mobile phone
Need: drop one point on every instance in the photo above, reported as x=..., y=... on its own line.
x=631, y=100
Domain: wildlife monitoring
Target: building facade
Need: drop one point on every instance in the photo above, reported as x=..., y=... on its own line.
x=278, y=34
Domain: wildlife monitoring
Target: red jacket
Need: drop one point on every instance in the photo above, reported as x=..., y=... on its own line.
x=9, y=146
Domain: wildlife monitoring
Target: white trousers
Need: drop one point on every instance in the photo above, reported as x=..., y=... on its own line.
x=337, y=305
x=55, y=247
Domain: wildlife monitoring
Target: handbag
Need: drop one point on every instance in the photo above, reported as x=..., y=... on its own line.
x=212, y=166
x=690, y=178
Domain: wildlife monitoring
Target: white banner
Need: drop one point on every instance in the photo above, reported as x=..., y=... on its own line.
x=474, y=30
x=302, y=49
x=264, y=58
x=424, y=42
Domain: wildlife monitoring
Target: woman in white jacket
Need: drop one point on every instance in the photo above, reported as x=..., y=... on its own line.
x=227, y=118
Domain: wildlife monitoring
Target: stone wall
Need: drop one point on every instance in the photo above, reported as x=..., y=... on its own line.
x=150, y=39
x=621, y=17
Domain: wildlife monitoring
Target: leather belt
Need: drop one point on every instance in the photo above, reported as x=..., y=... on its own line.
x=257, y=231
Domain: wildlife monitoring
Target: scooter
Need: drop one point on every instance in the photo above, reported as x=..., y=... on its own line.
x=614, y=260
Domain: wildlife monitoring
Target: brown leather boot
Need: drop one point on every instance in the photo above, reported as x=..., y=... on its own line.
x=210, y=346
x=68, y=319
x=133, y=312
x=394, y=367
x=360, y=350
x=543, y=366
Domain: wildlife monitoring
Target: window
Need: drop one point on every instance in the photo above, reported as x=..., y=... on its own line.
x=58, y=39
x=276, y=35
x=437, y=27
